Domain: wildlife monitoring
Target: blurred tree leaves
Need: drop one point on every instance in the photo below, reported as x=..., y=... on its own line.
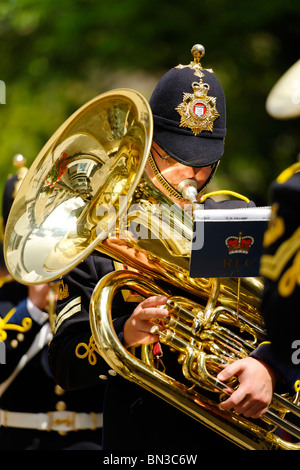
x=56, y=55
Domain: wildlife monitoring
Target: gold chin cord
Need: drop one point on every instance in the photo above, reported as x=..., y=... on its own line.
x=89, y=190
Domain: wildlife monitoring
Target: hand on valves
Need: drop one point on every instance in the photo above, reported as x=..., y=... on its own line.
x=256, y=385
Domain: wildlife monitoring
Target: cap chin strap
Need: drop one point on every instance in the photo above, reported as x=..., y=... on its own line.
x=166, y=185
x=172, y=191
x=215, y=167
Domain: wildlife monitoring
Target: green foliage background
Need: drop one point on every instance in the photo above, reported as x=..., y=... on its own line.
x=57, y=54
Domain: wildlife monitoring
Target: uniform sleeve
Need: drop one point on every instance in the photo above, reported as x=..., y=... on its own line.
x=73, y=357
x=280, y=267
x=288, y=373
x=17, y=332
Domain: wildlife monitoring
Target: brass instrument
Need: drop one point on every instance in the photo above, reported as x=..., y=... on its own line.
x=92, y=188
x=283, y=101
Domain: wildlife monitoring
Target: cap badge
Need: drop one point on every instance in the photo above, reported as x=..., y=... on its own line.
x=198, y=110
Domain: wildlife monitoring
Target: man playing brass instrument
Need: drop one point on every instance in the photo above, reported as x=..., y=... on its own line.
x=188, y=107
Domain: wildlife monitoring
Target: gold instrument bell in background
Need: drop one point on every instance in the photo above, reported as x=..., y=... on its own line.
x=283, y=101
x=88, y=189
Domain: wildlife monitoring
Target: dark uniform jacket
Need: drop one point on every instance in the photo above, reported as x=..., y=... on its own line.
x=134, y=419
x=280, y=266
x=28, y=390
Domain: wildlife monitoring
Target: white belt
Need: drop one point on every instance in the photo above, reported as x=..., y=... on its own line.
x=61, y=421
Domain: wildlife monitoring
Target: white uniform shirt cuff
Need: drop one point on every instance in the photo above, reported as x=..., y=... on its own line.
x=36, y=314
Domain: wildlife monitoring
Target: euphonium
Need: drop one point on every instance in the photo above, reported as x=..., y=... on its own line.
x=91, y=188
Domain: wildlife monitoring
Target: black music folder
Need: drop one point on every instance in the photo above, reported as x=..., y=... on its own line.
x=228, y=242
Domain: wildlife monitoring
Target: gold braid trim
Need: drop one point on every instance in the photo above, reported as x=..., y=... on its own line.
x=288, y=172
x=26, y=325
x=271, y=266
x=89, y=351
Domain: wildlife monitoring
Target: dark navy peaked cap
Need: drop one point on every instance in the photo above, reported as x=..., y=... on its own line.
x=180, y=142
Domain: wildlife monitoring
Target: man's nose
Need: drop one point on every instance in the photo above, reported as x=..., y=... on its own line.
x=190, y=172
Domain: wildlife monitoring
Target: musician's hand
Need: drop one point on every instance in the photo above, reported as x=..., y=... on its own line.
x=138, y=326
x=254, y=394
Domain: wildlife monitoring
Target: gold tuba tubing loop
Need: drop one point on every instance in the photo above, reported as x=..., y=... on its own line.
x=197, y=366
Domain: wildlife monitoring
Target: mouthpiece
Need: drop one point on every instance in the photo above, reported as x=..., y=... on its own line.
x=188, y=189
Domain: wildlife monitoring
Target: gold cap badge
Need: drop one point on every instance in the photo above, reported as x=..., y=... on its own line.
x=198, y=110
